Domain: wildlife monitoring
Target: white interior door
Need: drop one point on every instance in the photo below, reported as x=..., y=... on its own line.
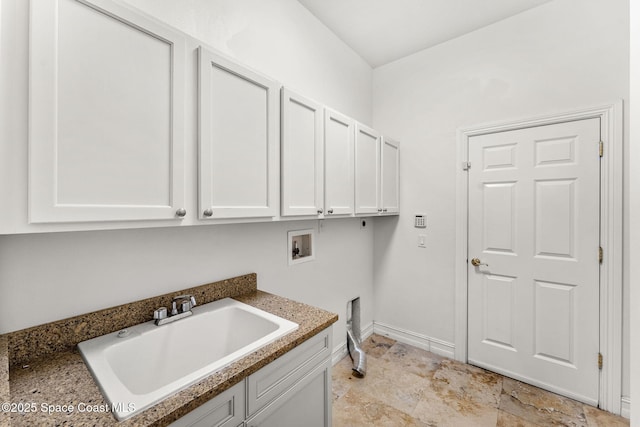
x=534, y=220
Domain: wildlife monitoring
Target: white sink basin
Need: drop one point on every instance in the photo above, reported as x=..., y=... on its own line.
x=153, y=362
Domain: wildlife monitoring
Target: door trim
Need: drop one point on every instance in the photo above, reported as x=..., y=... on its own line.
x=611, y=216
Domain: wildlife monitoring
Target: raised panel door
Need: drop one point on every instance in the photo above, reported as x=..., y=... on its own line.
x=302, y=155
x=534, y=220
x=106, y=114
x=390, y=176
x=237, y=140
x=225, y=410
x=338, y=163
x=308, y=403
x=367, y=170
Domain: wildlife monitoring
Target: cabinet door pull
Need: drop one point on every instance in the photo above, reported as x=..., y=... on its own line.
x=180, y=213
x=208, y=212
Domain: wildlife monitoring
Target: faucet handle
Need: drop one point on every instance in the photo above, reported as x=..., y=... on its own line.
x=186, y=303
x=160, y=313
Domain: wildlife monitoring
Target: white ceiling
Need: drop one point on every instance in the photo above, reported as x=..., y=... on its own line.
x=382, y=31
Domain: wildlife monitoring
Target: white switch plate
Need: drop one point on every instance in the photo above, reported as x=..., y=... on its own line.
x=421, y=240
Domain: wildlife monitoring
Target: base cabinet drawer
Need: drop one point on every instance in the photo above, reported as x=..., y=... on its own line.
x=307, y=404
x=224, y=410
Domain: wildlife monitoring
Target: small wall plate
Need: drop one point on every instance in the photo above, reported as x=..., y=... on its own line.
x=300, y=246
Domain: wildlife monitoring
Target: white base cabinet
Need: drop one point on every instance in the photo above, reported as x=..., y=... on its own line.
x=293, y=390
x=224, y=410
x=308, y=403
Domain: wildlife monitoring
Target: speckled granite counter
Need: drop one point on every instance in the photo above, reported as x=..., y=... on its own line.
x=4, y=380
x=61, y=378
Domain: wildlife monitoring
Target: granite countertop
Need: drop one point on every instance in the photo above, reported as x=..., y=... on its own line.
x=60, y=389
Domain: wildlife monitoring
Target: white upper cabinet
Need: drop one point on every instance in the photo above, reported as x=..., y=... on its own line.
x=339, y=132
x=367, y=170
x=390, y=178
x=302, y=155
x=106, y=113
x=238, y=140
x=377, y=173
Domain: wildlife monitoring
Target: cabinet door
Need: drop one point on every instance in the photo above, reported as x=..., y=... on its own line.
x=106, y=113
x=224, y=410
x=390, y=178
x=307, y=404
x=238, y=140
x=338, y=163
x=367, y=170
x=283, y=373
x=302, y=163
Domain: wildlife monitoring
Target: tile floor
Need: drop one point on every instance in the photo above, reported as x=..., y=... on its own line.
x=406, y=386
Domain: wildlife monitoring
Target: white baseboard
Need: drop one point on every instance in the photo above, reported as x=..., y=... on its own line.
x=625, y=407
x=340, y=351
x=424, y=342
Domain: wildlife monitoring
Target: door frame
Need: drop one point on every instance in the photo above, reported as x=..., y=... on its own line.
x=611, y=238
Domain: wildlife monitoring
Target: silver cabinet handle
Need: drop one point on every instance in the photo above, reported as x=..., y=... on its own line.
x=384, y=210
x=208, y=212
x=181, y=212
x=330, y=211
x=380, y=210
x=320, y=211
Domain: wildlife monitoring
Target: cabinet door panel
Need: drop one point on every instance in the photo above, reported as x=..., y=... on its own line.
x=224, y=410
x=302, y=162
x=367, y=170
x=390, y=176
x=238, y=140
x=307, y=404
x=338, y=167
x=106, y=114
x=271, y=381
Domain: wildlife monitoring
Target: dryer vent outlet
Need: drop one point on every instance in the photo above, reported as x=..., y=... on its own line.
x=354, y=339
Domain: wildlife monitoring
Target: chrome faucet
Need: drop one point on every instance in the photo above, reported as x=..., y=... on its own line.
x=181, y=306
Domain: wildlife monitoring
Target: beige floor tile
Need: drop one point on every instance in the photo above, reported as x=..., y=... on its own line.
x=359, y=409
x=377, y=345
x=598, y=418
x=506, y=419
x=466, y=382
x=449, y=411
x=392, y=385
x=341, y=378
x=407, y=386
x=412, y=359
x=539, y=406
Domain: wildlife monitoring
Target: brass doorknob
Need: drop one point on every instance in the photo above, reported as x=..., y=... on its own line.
x=476, y=262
